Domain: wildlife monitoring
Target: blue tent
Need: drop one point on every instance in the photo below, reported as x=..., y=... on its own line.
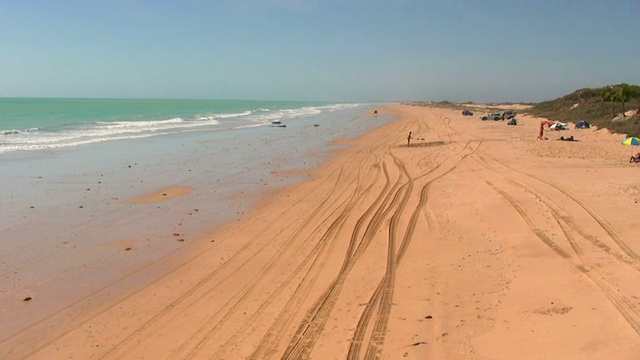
x=583, y=124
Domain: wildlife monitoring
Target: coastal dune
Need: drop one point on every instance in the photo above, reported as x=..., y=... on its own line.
x=476, y=241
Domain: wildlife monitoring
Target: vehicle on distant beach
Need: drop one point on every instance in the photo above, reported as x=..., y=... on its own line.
x=509, y=114
x=492, y=116
x=467, y=112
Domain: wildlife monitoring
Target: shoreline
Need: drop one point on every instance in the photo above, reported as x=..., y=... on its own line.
x=475, y=236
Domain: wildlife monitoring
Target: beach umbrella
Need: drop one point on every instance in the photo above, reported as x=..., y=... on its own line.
x=631, y=141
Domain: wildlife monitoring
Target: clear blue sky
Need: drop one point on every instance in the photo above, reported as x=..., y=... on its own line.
x=336, y=50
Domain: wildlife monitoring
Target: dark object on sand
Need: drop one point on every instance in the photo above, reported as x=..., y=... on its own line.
x=512, y=121
x=570, y=138
x=467, y=112
x=583, y=124
x=316, y=125
x=375, y=111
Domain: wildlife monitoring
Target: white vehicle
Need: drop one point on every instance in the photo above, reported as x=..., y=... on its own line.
x=492, y=116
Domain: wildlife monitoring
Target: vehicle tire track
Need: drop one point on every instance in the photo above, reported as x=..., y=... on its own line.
x=625, y=307
x=621, y=244
x=267, y=343
x=313, y=324
x=383, y=295
x=628, y=259
x=381, y=300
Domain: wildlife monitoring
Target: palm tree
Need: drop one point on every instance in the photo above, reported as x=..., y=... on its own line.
x=623, y=96
x=605, y=96
x=613, y=97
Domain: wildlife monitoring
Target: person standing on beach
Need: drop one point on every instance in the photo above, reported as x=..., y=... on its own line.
x=409, y=139
x=541, y=134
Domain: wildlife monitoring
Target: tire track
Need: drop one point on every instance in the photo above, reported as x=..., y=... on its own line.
x=267, y=344
x=626, y=258
x=605, y=226
x=206, y=331
x=381, y=299
x=625, y=307
x=313, y=324
x=383, y=296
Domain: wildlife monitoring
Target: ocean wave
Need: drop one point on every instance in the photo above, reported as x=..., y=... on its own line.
x=14, y=140
x=140, y=124
x=228, y=116
x=269, y=116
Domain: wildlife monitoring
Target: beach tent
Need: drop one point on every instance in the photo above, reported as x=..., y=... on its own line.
x=558, y=126
x=583, y=124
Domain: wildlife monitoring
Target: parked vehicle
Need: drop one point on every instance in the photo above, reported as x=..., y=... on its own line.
x=509, y=114
x=492, y=116
x=467, y=112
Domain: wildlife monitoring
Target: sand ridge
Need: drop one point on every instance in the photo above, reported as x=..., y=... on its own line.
x=476, y=242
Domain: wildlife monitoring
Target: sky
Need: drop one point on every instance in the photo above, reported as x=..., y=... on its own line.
x=325, y=50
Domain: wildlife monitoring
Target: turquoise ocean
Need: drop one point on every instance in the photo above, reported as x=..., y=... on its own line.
x=40, y=123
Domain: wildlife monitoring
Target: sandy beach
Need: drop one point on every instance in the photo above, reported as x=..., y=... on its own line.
x=476, y=242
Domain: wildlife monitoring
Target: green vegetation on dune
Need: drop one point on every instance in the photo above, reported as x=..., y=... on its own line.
x=603, y=107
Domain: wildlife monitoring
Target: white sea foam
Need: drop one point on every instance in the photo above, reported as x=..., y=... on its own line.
x=227, y=116
x=141, y=124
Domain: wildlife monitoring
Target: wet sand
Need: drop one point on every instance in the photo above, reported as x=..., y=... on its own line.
x=161, y=195
x=476, y=242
